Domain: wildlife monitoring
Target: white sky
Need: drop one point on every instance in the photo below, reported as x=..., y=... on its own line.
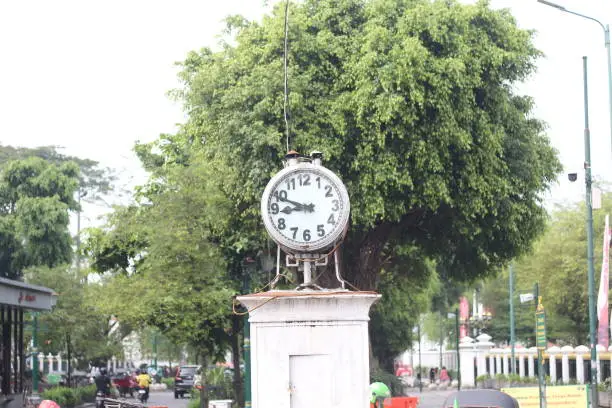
x=92, y=75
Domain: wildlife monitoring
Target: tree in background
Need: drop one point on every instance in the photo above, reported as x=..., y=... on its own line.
x=77, y=326
x=35, y=199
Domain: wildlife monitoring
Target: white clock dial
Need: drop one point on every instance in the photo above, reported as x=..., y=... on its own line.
x=306, y=208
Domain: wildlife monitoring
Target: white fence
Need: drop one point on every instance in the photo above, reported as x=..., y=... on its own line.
x=57, y=363
x=563, y=365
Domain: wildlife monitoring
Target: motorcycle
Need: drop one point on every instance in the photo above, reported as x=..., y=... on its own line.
x=100, y=396
x=143, y=395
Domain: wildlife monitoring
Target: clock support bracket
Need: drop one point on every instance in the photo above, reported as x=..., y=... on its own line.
x=308, y=260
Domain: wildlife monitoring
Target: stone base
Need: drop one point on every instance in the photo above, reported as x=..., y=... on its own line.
x=310, y=348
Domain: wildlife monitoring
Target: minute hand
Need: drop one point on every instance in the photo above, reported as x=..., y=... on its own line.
x=298, y=205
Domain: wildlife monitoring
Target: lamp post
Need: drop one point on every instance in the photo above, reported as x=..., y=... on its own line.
x=456, y=316
x=248, y=268
x=606, y=29
x=420, y=361
x=512, y=325
x=589, y=222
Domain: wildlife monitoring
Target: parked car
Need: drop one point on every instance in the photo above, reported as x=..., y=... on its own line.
x=480, y=398
x=184, y=379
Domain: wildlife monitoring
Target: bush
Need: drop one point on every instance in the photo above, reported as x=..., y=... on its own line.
x=390, y=380
x=194, y=403
x=169, y=381
x=70, y=397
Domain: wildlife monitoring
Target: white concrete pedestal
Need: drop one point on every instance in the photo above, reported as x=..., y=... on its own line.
x=309, y=348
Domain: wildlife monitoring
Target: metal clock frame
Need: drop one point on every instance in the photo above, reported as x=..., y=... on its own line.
x=341, y=225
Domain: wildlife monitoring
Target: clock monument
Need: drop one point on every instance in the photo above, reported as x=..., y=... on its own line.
x=309, y=346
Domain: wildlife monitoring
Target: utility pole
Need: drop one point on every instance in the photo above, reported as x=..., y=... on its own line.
x=512, y=326
x=35, y=353
x=589, y=225
x=420, y=361
x=457, y=343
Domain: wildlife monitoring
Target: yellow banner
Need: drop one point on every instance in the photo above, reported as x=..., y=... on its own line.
x=565, y=396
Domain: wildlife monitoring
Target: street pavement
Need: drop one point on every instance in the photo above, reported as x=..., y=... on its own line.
x=431, y=399
x=157, y=398
x=166, y=398
x=427, y=399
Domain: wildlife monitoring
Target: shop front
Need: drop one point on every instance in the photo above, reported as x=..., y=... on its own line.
x=15, y=298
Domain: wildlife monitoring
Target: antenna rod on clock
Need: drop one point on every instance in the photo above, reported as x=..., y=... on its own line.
x=286, y=94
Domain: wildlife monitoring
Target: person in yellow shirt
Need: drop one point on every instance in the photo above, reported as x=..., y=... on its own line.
x=144, y=381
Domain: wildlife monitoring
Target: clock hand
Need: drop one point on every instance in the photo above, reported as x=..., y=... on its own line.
x=309, y=207
x=289, y=210
x=298, y=205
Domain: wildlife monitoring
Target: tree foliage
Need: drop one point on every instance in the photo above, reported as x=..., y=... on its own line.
x=559, y=264
x=35, y=198
x=77, y=321
x=413, y=105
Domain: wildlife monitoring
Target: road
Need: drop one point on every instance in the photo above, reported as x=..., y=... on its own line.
x=432, y=399
x=427, y=399
x=166, y=398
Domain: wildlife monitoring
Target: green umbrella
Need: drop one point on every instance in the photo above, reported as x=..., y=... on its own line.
x=379, y=390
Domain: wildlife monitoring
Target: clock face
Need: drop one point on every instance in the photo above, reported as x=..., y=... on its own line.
x=306, y=208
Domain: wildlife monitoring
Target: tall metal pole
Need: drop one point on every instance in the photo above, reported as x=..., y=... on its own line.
x=512, y=328
x=35, y=353
x=458, y=356
x=589, y=225
x=536, y=292
x=607, y=43
x=247, y=347
x=420, y=361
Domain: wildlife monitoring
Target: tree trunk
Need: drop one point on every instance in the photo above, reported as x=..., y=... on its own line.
x=238, y=379
x=362, y=258
x=204, y=380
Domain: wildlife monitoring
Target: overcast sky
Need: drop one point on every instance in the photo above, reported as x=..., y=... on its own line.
x=92, y=75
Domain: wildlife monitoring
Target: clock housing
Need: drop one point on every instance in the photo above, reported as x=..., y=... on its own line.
x=305, y=208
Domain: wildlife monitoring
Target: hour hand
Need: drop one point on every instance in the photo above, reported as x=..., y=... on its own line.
x=289, y=210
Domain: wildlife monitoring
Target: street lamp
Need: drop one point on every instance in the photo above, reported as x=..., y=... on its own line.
x=248, y=268
x=606, y=29
x=456, y=316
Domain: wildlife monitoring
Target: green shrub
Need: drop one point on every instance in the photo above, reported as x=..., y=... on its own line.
x=169, y=381
x=501, y=377
x=70, y=397
x=86, y=393
x=194, y=403
x=390, y=380
x=63, y=396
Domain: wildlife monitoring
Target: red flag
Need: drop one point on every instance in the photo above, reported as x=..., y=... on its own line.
x=603, y=333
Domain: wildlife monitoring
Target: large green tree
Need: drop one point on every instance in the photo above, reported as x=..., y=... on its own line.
x=412, y=103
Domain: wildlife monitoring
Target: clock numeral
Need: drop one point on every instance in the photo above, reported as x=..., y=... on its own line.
x=318, y=180
x=290, y=184
x=336, y=206
x=280, y=195
x=320, y=230
x=295, y=230
x=304, y=179
x=274, y=208
x=281, y=224
x=328, y=191
x=306, y=235
x=331, y=220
